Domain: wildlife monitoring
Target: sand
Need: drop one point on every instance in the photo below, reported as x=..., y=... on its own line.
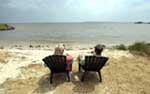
x=24, y=73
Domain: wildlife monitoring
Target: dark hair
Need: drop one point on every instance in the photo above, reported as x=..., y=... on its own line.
x=98, y=49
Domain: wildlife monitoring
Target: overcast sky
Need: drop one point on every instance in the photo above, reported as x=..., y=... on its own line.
x=74, y=10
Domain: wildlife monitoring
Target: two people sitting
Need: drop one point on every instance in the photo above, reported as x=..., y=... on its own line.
x=59, y=50
x=56, y=66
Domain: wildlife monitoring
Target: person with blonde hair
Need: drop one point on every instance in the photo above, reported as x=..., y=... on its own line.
x=59, y=50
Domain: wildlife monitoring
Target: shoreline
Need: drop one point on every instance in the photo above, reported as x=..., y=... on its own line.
x=49, y=45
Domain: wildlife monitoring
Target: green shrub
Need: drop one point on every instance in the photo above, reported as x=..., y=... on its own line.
x=3, y=26
x=120, y=47
x=140, y=48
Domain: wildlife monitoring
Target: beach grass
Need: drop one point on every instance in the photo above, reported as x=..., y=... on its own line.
x=137, y=48
x=140, y=48
x=120, y=47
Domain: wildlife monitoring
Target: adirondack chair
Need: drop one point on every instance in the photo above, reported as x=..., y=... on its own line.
x=93, y=63
x=56, y=64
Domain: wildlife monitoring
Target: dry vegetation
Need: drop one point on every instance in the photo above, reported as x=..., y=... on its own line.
x=138, y=48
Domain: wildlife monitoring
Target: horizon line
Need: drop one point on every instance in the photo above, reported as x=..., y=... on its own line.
x=80, y=22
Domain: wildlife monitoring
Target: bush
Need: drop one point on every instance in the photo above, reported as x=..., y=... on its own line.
x=140, y=48
x=120, y=47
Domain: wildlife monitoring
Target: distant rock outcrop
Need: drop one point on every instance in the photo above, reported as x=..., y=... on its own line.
x=139, y=22
x=4, y=27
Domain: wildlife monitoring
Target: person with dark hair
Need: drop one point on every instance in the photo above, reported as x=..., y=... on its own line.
x=97, y=52
x=98, y=49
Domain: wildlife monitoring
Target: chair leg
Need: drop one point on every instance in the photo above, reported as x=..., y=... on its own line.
x=82, y=76
x=51, y=78
x=100, y=77
x=68, y=76
x=79, y=68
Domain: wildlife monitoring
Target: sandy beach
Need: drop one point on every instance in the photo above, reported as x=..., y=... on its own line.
x=22, y=72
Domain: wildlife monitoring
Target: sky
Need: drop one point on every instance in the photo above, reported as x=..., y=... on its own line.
x=20, y=11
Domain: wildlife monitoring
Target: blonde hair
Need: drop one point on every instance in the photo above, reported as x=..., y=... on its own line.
x=59, y=49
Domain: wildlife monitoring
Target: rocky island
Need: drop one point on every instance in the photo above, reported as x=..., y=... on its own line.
x=4, y=27
x=140, y=22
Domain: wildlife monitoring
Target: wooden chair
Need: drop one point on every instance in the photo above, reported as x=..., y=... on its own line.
x=56, y=64
x=93, y=63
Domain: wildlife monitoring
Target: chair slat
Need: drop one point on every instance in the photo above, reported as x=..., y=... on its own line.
x=56, y=63
x=94, y=63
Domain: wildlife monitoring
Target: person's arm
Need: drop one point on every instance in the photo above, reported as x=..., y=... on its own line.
x=69, y=58
x=80, y=57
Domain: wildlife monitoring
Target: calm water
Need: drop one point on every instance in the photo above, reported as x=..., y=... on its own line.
x=106, y=33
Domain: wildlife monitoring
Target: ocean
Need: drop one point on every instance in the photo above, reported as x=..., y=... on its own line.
x=84, y=33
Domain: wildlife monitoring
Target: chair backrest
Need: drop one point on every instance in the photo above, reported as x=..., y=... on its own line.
x=94, y=63
x=56, y=63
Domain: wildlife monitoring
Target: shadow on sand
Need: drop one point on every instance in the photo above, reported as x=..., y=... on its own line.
x=88, y=86
x=44, y=83
x=75, y=86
